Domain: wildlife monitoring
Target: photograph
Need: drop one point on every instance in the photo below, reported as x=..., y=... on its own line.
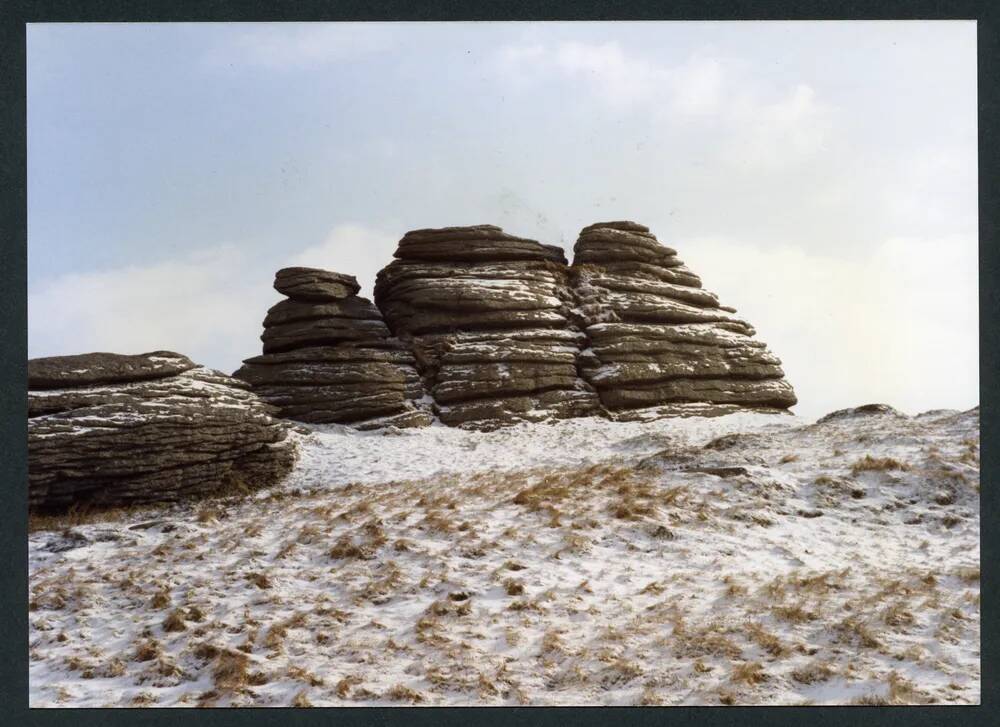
x=503, y=364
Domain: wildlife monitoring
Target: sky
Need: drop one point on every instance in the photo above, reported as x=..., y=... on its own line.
x=821, y=177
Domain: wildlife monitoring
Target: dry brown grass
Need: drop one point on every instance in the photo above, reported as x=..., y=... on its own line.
x=794, y=613
x=147, y=651
x=766, y=640
x=261, y=580
x=748, y=672
x=160, y=600
x=552, y=642
x=347, y=683
x=345, y=549
x=813, y=673
x=206, y=515
x=871, y=700
x=303, y=675
x=365, y=542
x=649, y=698
x=174, y=621
x=619, y=671
x=231, y=490
x=710, y=640
x=275, y=637
x=903, y=691
x=852, y=630
x=897, y=615
x=513, y=587
x=402, y=693
x=87, y=514
x=734, y=589
x=877, y=464
x=205, y=651
x=195, y=614
x=231, y=670
x=550, y=491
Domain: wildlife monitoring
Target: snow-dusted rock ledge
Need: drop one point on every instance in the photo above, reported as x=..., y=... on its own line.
x=112, y=429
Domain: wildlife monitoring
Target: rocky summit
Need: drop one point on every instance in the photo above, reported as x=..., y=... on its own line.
x=111, y=429
x=657, y=339
x=330, y=358
x=488, y=317
x=501, y=329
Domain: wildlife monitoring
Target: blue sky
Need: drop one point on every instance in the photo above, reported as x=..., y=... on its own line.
x=821, y=177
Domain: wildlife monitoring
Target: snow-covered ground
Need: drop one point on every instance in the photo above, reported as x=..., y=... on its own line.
x=745, y=559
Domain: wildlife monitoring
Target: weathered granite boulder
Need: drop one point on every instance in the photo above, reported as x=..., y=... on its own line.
x=111, y=429
x=329, y=357
x=657, y=339
x=488, y=318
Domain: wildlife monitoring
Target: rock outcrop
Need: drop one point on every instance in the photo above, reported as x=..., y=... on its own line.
x=111, y=429
x=484, y=329
x=657, y=339
x=488, y=318
x=330, y=358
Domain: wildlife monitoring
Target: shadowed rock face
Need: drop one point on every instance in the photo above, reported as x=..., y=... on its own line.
x=657, y=339
x=488, y=318
x=329, y=357
x=111, y=429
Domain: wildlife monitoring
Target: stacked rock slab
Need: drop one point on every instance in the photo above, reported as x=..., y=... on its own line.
x=111, y=429
x=330, y=358
x=488, y=318
x=657, y=339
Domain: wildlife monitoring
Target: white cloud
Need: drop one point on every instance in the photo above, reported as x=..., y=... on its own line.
x=698, y=85
x=353, y=249
x=617, y=77
x=898, y=325
x=294, y=46
x=760, y=125
x=789, y=129
x=208, y=306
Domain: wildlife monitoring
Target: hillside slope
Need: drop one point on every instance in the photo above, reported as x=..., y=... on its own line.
x=743, y=559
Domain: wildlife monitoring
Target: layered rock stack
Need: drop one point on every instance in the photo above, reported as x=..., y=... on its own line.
x=111, y=429
x=488, y=318
x=329, y=357
x=657, y=339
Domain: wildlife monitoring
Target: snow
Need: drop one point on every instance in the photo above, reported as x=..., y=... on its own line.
x=652, y=568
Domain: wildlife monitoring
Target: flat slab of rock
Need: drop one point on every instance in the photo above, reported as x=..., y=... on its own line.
x=313, y=284
x=84, y=369
x=476, y=243
x=149, y=439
